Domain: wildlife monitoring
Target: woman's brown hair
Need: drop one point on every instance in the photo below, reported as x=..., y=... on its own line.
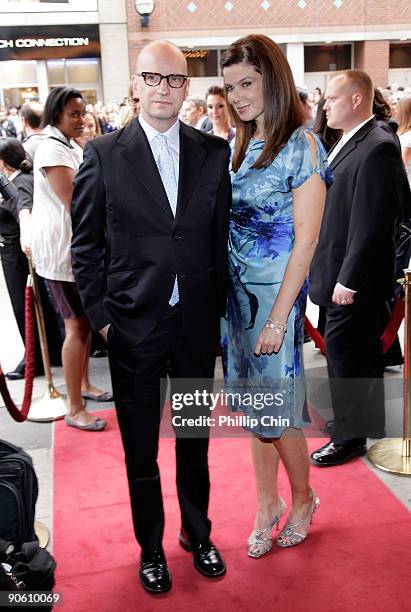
x=380, y=107
x=215, y=90
x=282, y=108
x=404, y=115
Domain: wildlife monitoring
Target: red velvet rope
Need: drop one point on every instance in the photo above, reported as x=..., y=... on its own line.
x=393, y=325
x=314, y=335
x=387, y=338
x=30, y=340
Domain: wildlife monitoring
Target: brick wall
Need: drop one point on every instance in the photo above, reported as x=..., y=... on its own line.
x=208, y=18
x=372, y=56
x=212, y=15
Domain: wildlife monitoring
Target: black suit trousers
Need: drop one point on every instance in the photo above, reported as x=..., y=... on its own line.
x=354, y=360
x=136, y=373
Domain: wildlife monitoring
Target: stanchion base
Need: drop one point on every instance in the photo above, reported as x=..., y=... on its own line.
x=50, y=407
x=387, y=455
x=42, y=533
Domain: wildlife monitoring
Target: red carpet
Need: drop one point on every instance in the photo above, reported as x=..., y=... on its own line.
x=356, y=557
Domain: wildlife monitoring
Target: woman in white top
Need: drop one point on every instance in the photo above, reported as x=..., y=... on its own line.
x=56, y=162
x=404, y=132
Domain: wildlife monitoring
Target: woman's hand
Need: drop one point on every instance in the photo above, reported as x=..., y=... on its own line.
x=25, y=232
x=25, y=244
x=270, y=338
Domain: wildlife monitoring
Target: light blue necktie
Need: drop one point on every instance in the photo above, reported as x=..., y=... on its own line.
x=165, y=166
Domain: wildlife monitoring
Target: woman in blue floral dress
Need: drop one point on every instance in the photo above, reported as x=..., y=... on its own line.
x=279, y=176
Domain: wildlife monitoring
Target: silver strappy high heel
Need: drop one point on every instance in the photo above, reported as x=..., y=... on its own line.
x=291, y=535
x=261, y=542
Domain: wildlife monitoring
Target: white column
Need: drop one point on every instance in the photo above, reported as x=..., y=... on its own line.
x=42, y=80
x=295, y=57
x=114, y=61
x=114, y=49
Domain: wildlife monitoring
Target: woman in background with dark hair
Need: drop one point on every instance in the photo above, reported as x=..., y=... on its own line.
x=306, y=105
x=218, y=113
x=381, y=108
x=14, y=225
x=279, y=171
x=56, y=162
x=328, y=136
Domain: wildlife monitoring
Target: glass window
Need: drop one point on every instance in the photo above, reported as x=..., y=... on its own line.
x=16, y=96
x=400, y=55
x=82, y=71
x=89, y=95
x=55, y=72
x=325, y=58
x=202, y=62
x=16, y=72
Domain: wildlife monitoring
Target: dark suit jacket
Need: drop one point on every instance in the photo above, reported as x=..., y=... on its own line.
x=7, y=129
x=10, y=209
x=206, y=125
x=127, y=246
x=363, y=206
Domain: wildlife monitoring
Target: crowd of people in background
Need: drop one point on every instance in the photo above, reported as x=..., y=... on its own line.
x=199, y=111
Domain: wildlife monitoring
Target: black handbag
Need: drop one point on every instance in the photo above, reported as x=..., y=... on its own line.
x=18, y=494
x=26, y=568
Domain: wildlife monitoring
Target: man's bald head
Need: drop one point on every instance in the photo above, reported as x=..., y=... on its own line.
x=161, y=49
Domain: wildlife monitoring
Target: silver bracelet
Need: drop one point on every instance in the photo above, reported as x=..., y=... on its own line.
x=277, y=326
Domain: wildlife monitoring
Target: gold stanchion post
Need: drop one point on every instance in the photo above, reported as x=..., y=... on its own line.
x=395, y=455
x=42, y=532
x=52, y=405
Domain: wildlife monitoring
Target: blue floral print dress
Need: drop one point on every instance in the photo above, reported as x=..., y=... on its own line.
x=260, y=242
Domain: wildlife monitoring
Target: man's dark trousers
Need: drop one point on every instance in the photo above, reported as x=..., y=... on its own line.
x=136, y=375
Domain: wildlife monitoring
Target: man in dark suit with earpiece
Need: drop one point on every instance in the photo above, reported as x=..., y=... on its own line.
x=352, y=272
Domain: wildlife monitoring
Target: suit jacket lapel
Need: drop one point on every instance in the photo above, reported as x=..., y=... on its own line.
x=352, y=143
x=137, y=154
x=192, y=156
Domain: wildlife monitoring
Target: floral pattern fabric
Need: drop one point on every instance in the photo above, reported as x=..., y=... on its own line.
x=260, y=242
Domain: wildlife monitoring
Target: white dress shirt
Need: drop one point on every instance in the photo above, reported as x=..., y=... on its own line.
x=345, y=138
x=173, y=138
x=173, y=143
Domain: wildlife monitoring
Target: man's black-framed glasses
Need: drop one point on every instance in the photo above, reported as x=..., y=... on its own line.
x=154, y=78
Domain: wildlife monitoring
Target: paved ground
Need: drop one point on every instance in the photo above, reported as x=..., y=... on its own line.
x=37, y=438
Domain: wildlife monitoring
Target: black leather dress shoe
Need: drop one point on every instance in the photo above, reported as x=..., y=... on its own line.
x=153, y=573
x=98, y=353
x=206, y=558
x=334, y=453
x=15, y=375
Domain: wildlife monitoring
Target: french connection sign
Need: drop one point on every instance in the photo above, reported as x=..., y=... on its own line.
x=49, y=42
